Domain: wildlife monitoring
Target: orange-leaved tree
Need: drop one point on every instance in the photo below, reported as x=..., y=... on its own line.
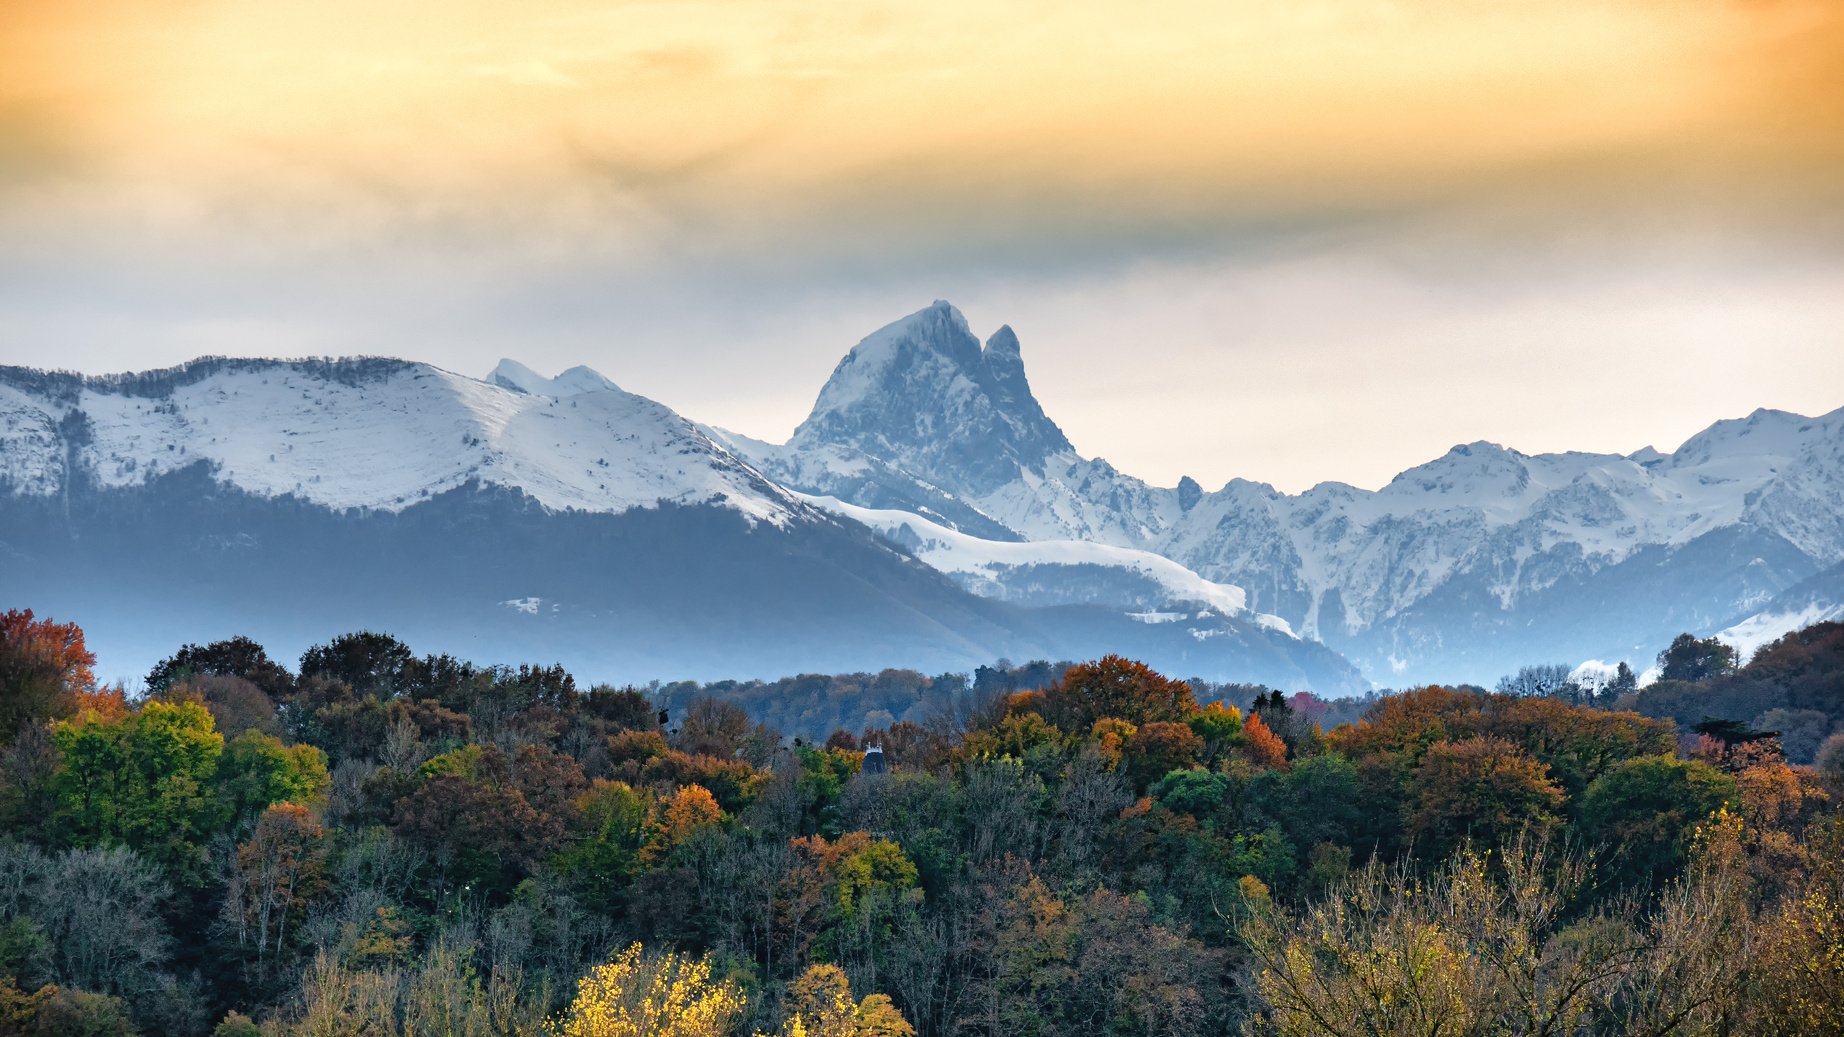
x=1160, y=747
x=1113, y=686
x=690, y=810
x=279, y=873
x=44, y=667
x=1261, y=745
x=1484, y=789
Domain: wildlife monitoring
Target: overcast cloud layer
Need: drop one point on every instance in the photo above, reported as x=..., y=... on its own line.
x=1289, y=241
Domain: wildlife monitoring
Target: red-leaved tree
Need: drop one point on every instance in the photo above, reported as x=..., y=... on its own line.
x=44, y=668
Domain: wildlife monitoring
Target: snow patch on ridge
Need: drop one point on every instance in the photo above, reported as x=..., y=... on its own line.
x=951, y=551
x=1751, y=634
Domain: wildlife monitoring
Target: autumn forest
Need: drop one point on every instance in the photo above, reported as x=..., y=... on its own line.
x=376, y=842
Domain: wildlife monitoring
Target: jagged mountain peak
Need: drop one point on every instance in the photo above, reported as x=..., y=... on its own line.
x=924, y=393
x=1004, y=364
x=933, y=341
x=1189, y=493
x=1003, y=345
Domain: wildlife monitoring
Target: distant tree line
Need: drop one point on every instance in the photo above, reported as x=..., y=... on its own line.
x=1790, y=689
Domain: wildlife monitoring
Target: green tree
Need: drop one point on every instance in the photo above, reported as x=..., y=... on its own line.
x=1644, y=810
x=610, y=825
x=1199, y=793
x=257, y=771
x=1219, y=726
x=368, y=663
x=1317, y=801
x=626, y=709
x=1623, y=683
x=233, y=657
x=1688, y=659
x=146, y=780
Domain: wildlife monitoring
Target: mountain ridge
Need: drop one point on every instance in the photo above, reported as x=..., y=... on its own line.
x=291, y=424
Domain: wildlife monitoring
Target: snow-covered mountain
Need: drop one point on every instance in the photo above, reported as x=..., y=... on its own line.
x=372, y=434
x=513, y=517
x=1462, y=568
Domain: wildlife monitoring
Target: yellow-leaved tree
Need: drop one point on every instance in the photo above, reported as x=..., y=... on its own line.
x=823, y=1007
x=646, y=994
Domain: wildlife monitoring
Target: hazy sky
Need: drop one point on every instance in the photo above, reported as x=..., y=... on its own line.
x=1289, y=240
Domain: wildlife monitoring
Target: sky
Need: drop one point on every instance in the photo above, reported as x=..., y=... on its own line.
x=1286, y=240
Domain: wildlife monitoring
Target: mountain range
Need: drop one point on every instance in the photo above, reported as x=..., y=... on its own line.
x=928, y=513
x=1462, y=568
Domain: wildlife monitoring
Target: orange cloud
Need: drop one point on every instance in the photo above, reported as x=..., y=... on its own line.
x=751, y=122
